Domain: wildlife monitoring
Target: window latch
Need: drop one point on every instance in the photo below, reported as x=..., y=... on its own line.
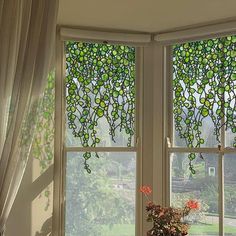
x=168, y=142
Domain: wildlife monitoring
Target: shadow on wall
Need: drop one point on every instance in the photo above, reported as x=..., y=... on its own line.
x=36, y=221
x=46, y=229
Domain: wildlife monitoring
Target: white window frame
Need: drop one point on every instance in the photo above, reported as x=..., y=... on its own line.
x=155, y=69
x=137, y=40
x=172, y=38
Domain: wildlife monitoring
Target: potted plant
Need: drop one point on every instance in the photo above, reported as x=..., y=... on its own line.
x=168, y=221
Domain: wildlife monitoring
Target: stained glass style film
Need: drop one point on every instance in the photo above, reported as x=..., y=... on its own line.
x=204, y=83
x=100, y=95
x=103, y=202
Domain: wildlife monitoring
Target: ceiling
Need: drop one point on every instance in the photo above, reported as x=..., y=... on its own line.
x=143, y=15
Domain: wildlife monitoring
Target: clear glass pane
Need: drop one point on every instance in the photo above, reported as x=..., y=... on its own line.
x=230, y=194
x=103, y=202
x=203, y=186
x=100, y=94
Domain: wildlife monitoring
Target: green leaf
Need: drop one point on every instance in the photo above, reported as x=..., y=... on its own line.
x=210, y=74
x=204, y=112
x=100, y=112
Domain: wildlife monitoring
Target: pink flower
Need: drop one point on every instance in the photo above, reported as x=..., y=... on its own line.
x=146, y=189
x=193, y=204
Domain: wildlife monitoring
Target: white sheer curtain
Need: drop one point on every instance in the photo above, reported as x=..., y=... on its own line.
x=27, y=37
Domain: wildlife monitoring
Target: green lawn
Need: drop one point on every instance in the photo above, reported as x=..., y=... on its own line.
x=119, y=230
x=208, y=229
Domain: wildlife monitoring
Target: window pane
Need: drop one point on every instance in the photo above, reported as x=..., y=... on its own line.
x=103, y=202
x=202, y=186
x=230, y=194
x=204, y=75
x=100, y=94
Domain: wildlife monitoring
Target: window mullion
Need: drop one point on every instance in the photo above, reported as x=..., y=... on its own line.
x=168, y=115
x=221, y=193
x=193, y=150
x=100, y=149
x=138, y=137
x=59, y=161
x=221, y=172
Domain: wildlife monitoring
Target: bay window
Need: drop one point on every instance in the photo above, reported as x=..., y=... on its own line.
x=132, y=111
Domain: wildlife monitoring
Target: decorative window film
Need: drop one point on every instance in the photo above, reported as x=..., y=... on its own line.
x=100, y=95
x=204, y=82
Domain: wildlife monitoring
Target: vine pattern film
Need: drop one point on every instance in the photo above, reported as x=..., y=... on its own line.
x=100, y=84
x=204, y=82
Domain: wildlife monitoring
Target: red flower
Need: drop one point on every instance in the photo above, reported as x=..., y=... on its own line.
x=193, y=204
x=146, y=190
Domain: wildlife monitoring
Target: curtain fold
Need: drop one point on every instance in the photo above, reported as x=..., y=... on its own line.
x=27, y=40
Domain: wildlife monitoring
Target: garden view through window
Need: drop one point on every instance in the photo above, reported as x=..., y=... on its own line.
x=203, y=153
x=100, y=149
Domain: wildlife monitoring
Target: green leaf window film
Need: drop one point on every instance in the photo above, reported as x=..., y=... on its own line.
x=100, y=84
x=204, y=75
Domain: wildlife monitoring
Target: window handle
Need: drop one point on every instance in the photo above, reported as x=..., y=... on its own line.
x=137, y=141
x=168, y=142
